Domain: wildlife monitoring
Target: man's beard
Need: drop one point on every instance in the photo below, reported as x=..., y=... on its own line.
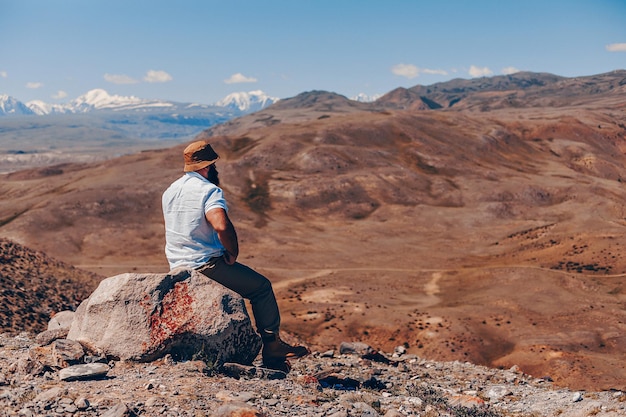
x=212, y=175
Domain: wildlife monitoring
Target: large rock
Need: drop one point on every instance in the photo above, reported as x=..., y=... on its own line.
x=144, y=316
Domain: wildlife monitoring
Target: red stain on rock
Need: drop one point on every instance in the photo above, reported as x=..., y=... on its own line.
x=173, y=316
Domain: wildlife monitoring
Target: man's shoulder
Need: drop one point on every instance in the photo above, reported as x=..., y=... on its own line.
x=194, y=183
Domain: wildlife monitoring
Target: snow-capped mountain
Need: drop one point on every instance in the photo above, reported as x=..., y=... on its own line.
x=247, y=102
x=364, y=98
x=99, y=99
x=12, y=106
x=40, y=108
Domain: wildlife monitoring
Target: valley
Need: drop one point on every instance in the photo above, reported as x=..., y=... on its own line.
x=490, y=233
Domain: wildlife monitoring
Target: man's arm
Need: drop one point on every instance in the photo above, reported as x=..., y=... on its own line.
x=220, y=222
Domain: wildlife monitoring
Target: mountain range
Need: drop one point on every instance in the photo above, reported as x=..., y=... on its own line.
x=39, y=133
x=475, y=220
x=99, y=99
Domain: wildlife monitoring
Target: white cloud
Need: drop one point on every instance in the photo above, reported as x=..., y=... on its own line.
x=60, y=94
x=509, y=70
x=475, y=71
x=411, y=71
x=239, y=78
x=3, y=74
x=433, y=71
x=405, y=70
x=616, y=47
x=153, y=76
x=119, y=79
x=34, y=85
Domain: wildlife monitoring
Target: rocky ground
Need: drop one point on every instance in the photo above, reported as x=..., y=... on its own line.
x=352, y=380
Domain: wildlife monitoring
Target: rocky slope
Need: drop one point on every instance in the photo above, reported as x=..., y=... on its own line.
x=35, y=286
x=351, y=380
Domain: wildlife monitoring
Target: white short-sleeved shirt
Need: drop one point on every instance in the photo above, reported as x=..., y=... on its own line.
x=190, y=241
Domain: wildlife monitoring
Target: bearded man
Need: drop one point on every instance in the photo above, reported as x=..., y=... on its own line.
x=200, y=235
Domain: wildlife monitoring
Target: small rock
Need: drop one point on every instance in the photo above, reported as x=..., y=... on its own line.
x=466, y=401
x=152, y=401
x=237, y=410
x=236, y=370
x=46, y=337
x=85, y=371
x=66, y=352
x=498, y=392
x=328, y=354
x=241, y=397
x=577, y=397
x=61, y=320
x=81, y=403
x=400, y=350
x=354, y=347
x=49, y=394
x=119, y=410
x=365, y=410
x=29, y=366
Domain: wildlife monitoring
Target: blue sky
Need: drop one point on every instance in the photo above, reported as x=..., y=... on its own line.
x=200, y=51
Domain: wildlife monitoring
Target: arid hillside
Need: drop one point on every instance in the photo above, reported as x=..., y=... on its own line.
x=485, y=233
x=35, y=287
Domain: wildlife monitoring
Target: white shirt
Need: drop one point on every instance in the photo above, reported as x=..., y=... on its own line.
x=190, y=241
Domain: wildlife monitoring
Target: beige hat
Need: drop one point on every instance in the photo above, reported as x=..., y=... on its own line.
x=199, y=155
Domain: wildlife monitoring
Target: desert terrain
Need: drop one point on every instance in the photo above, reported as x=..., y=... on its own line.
x=479, y=221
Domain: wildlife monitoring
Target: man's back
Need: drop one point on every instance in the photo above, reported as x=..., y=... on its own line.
x=190, y=241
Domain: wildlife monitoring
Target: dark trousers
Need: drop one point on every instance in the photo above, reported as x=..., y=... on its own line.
x=250, y=285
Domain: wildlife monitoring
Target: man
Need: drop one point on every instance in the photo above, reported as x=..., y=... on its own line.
x=200, y=235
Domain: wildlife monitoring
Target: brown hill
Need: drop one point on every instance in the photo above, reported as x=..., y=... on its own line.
x=490, y=236
x=35, y=286
x=519, y=90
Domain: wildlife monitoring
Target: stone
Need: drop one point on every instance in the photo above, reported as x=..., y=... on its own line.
x=49, y=394
x=84, y=371
x=497, y=392
x=27, y=365
x=468, y=401
x=143, y=317
x=81, y=403
x=328, y=354
x=236, y=370
x=118, y=410
x=355, y=347
x=365, y=410
x=235, y=409
x=60, y=354
x=67, y=352
x=48, y=336
x=61, y=320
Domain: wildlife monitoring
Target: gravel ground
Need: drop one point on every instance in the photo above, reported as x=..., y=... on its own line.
x=349, y=381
